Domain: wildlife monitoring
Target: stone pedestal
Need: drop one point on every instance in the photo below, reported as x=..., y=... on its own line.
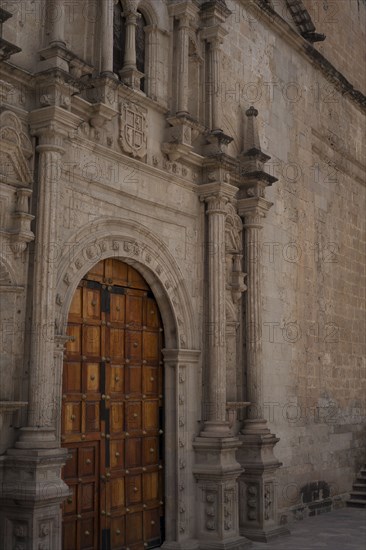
x=216, y=471
x=257, y=484
x=30, y=499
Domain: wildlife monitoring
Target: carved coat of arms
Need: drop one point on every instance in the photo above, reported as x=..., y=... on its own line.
x=133, y=127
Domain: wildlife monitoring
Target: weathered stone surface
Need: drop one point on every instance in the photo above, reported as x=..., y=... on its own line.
x=227, y=167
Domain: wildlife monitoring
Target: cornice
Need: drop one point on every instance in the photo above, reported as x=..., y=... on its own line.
x=269, y=16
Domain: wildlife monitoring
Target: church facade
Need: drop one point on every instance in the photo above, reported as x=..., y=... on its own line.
x=182, y=270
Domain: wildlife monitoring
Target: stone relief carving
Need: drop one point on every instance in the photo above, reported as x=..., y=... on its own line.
x=252, y=502
x=182, y=444
x=16, y=150
x=133, y=129
x=211, y=510
x=267, y=501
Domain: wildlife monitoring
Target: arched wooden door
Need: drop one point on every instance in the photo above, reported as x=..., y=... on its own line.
x=112, y=413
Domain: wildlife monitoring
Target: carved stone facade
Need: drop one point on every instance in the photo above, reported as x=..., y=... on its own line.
x=210, y=160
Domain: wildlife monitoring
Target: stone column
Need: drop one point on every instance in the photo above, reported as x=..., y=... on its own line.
x=56, y=18
x=258, y=489
x=152, y=41
x=214, y=83
x=216, y=469
x=182, y=65
x=216, y=318
x=129, y=73
x=41, y=423
x=252, y=215
x=107, y=37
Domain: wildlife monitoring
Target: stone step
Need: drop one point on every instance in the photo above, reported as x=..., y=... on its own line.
x=355, y=503
x=358, y=495
x=359, y=487
x=360, y=479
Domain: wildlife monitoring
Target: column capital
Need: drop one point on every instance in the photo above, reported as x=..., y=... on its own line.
x=183, y=10
x=214, y=35
x=211, y=192
x=253, y=210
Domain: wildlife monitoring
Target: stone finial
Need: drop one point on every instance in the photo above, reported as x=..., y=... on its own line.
x=251, y=143
x=254, y=178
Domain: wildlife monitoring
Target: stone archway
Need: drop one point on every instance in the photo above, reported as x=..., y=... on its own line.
x=135, y=245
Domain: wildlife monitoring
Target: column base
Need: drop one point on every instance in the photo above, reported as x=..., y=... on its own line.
x=184, y=545
x=37, y=438
x=265, y=535
x=216, y=430
x=131, y=77
x=240, y=543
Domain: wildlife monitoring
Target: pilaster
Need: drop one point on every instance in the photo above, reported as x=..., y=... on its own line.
x=33, y=490
x=216, y=468
x=258, y=498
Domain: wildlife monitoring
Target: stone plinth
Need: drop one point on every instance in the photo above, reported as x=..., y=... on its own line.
x=216, y=471
x=257, y=484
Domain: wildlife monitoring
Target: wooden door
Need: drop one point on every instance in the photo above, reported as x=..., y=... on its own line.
x=112, y=413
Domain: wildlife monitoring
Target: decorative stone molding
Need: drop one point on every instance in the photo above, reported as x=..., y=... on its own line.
x=6, y=48
x=134, y=244
x=181, y=367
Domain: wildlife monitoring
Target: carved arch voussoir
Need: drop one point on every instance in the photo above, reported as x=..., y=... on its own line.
x=136, y=245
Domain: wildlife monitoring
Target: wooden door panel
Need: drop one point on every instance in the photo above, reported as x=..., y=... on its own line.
x=134, y=310
x=151, y=415
x=152, y=525
x=117, y=344
x=72, y=418
x=88, y=491
x=151, y=380
x=117, y=308
x=72, y=377
x=69, y=534
x=87, y=534
x=117, y=494
x=115, y=379
x=88, y=461
x=133, y=346
x=73, y=345
x=76, y=308
x=134, y=525
x=150, y=451
x=152, y=314
x=92, y=416
x=116, y=417
x=133, y=490
x=118, y=531
x=91, y=341
x=133, y=452
x=91, y=304
x=134, y=380
x=112, y=385
x=151, y=486
x=133, y=416
x=92, y=383
x=151, y=346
